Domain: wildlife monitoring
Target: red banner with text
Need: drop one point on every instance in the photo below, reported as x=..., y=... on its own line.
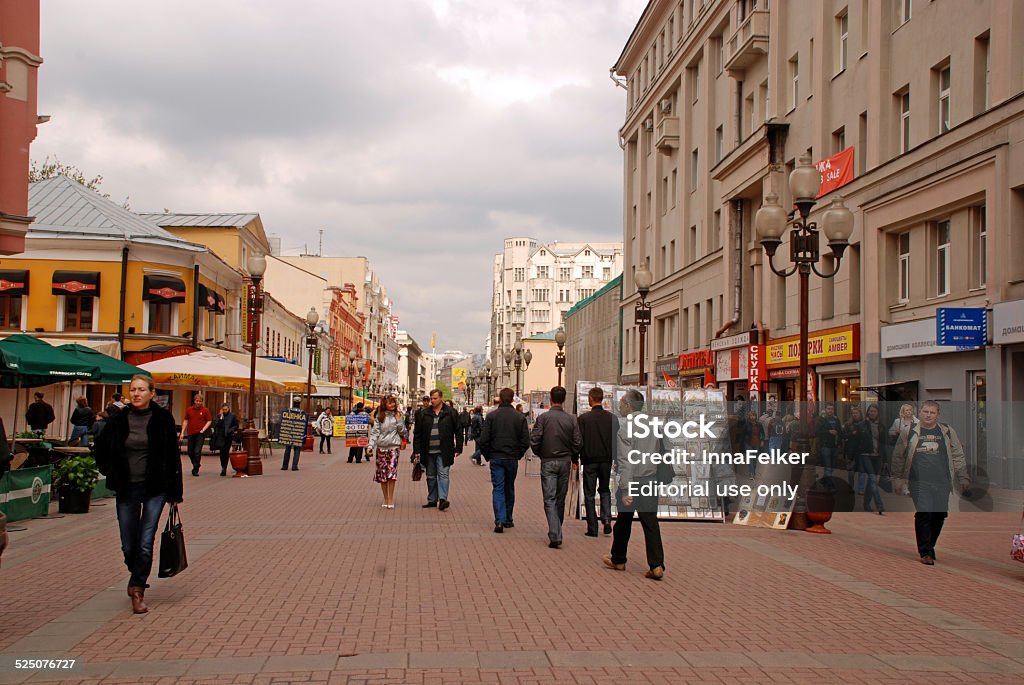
x=836, y=171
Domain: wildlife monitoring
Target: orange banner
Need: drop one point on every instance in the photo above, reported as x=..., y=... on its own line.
x=823, y=347
x=836, y=171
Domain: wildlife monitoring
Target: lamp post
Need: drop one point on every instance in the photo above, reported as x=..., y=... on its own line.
x=519, y=358
x=770, y=223
x=489, y=376
x=257, y=266
x=560, y=355
x=642, y=315
x=311, y=344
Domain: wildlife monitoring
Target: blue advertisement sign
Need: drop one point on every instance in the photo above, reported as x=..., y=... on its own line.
x=961, y=326
x=293, y=428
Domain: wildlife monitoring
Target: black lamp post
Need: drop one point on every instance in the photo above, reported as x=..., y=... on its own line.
x=837, y=224
x=560, y=355
x=519, y=358
x=642, y=315
x=489, y=377
x=257, y=266
x=311, y=344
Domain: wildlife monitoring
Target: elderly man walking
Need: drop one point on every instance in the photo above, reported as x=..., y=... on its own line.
x=437, y=440
x=556, y=439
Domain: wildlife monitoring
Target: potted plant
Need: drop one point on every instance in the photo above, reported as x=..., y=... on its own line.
x=76, y=477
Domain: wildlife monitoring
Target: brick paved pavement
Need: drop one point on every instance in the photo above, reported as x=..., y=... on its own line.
x=302, y=577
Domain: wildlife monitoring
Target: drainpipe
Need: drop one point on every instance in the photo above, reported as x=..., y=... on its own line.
x=195, y=305
x=124, y=283
x=736, y=226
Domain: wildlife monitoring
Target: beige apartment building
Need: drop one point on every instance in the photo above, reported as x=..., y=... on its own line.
x=592, y=337
x=924, y=102
x=535, y=284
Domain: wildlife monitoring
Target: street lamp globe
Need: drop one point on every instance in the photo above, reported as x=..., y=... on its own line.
x=352, y=356
x=508, y=357
x=257, y=265
x=837, y=222
x=488, y=366
x=528, y=357
x=312, y=317
x=770, y=221
x=804, y=181
x=560, y=337
x=343, y=364
x=643, y=280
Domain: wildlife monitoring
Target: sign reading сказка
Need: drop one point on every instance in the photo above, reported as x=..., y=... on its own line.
x=832, y=345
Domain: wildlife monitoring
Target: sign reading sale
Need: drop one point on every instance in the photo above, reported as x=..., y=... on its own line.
x=755, y=369
x=836, y=171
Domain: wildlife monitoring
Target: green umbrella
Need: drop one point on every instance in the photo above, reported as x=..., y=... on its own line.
x=112, y=371
x=31, y=362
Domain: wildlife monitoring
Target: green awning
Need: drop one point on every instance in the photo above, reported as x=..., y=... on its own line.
x=33, y=362
x=112, y=371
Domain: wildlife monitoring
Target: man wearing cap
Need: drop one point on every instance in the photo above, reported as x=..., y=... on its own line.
x=356, y=452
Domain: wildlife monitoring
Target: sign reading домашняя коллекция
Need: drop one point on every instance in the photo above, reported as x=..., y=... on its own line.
x=697, y=441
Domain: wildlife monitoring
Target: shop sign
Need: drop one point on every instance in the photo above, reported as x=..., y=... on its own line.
x=780, y=374
x=669, y=366
x=1008, y=322
x=823, y=347
x=755, y=369
x=631, y=379
x=912, y=339
x=731, y=365
x=961, y=326
x=146, y=356
x=738, y=340
x=691, y=362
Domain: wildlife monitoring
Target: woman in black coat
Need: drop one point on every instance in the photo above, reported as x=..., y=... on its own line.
x=138, y=452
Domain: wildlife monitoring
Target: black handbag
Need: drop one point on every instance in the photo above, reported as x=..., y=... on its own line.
x=885, y=478
x=665, y=474
x=172, y=546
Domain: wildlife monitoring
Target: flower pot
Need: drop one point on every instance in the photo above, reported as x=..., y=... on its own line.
x=307, y=446
x=820, y=505
x=239, y=462
x=73, y=501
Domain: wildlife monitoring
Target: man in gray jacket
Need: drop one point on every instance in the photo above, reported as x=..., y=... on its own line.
x=556, y=439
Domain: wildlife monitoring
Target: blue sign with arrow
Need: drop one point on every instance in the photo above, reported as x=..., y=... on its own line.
x=961, y=326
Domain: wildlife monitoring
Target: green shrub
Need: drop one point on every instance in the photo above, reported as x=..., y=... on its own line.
x=78, y=473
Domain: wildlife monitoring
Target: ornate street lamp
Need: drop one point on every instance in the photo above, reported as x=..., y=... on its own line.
x=560, y=355
x=257, y=266
x=520, y=359
x=642, y=315
x=837, y=223
x=311, y=344
x=489, y=376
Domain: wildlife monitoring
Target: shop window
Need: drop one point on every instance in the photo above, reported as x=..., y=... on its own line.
x=78, y=311
x=160, y=316
x=10, y=312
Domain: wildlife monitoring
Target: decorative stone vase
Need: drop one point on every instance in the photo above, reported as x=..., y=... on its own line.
x=240, y=463
x=307, y=446
x=820, y=505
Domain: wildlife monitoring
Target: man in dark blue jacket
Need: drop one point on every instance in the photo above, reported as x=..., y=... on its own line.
x=504, y=439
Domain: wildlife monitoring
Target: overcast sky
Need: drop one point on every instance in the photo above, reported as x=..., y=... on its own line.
x=418, y=133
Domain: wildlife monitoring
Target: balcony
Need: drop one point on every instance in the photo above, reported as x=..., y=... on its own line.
x=747, y=44
x=667, y=138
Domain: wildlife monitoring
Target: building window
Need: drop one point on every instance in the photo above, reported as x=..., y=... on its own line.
x=944, y=82
x=942, y=235
x=694, y=74
x=160, y=317
x=565, y=274
x=78, y=312
x=904, y=267
x=542, y=272
x=588, y=272
x=716, y=231
x=694, y=165
x=719, y=135
x=980, y=231
x=904, y=99
x=519, y=274
x=794, y=81
x=606, y=273
x=981, y=73
x=906, y=10
x=541, y=294
x=839, y=140
x=691, y=244
x=10, y=312
x=720, y=53
x=843, y=29
x=674, y=187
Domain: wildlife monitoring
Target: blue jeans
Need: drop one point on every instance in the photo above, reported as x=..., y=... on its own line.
x=437, y=477
x=137, y=517
x=866, y=465
x=597, y=480
x=828, y=459
x=476, y=451
x=81, y=432
x=295, y=452
x=503, y=488
x=554, y=485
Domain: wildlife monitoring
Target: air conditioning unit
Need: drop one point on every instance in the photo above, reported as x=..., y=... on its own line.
x=649, y=124
x=666, y=106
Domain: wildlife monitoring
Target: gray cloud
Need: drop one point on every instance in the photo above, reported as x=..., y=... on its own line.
x=417, y=133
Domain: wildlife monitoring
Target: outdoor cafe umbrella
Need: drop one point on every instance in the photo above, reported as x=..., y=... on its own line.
x=112, y=371
x=207, y=371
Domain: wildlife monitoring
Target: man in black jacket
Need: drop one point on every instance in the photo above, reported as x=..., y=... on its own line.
x=436, y=443
x=556, y=440
x=503, y=441
x=40, y=414
x=597, y=427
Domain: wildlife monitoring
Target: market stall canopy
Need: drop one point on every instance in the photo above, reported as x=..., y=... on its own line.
x=207, y=371
x=112, y=371
x=39, y=363
x=292, y=376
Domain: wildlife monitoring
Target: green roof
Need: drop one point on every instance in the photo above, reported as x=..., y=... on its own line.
x=550, y=335
x=614, y=283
